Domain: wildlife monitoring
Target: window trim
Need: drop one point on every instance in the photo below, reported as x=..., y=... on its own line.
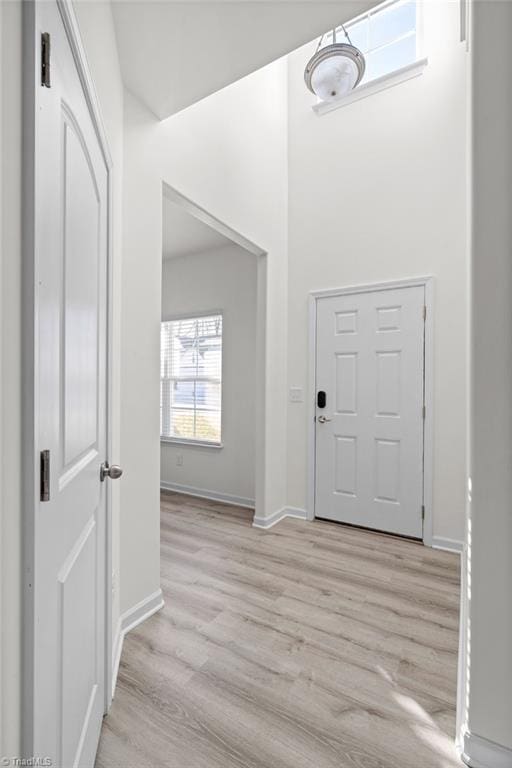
x=192, y=441
x=374, y=86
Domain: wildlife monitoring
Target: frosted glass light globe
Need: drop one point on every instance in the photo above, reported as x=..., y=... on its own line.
x=334, y=71
x=334, y=77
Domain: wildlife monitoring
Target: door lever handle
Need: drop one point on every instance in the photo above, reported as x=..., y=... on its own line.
x=113, y=471
x=322, y=419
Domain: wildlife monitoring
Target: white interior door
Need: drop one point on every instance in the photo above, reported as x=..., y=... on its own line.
x=69, y=576
x=369, y=435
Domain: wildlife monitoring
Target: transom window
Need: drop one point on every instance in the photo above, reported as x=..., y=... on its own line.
x=191, y=379
x=386, y=35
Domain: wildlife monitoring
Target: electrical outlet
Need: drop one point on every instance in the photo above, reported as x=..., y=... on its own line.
x=179, y=460
x=296, y=395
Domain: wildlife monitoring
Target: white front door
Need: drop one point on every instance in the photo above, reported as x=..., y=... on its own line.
x=69, y=548
x=369, y=434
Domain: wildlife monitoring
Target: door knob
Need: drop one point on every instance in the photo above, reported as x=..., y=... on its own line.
x=113, y=471
x=322, y=419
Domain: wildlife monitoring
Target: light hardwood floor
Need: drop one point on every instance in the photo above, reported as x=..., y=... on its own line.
x=310, y=645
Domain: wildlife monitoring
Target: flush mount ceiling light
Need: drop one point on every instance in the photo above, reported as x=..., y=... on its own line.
x=334, y=70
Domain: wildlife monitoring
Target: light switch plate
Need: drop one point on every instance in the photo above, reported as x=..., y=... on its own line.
x=296, y=395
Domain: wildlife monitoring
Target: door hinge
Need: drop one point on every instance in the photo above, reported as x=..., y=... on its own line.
x=45, y=60
x=422, y=511
x=45, y=476
x=424, y=412
x=424, y=312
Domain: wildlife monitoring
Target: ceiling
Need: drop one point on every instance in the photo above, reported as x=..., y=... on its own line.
x=183, y=234
x=175, y=53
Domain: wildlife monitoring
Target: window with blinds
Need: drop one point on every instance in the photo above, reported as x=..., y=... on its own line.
x=191, y=379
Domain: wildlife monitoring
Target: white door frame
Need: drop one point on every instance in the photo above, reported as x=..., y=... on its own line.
x=31, y=82
x=187, y=205
x=314, y=296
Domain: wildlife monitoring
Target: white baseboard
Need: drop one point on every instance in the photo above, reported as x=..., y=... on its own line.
x=450, y=545
x=127, y=621
x=117, y=647
x=276, y=517
x=189, y=490
x=478, y=752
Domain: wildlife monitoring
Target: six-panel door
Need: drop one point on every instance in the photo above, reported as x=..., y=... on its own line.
x=369, y=450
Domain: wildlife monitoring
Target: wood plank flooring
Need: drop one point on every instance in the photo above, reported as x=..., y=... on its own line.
x=310, y=645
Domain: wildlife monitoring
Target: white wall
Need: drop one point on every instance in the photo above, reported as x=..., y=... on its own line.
x=228, y=155
x=10, y=385
x=488, y=662
x=140, y=349
x=222, y=279
x=378, y=192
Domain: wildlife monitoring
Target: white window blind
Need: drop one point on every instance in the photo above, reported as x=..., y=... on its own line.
x=191, y=378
